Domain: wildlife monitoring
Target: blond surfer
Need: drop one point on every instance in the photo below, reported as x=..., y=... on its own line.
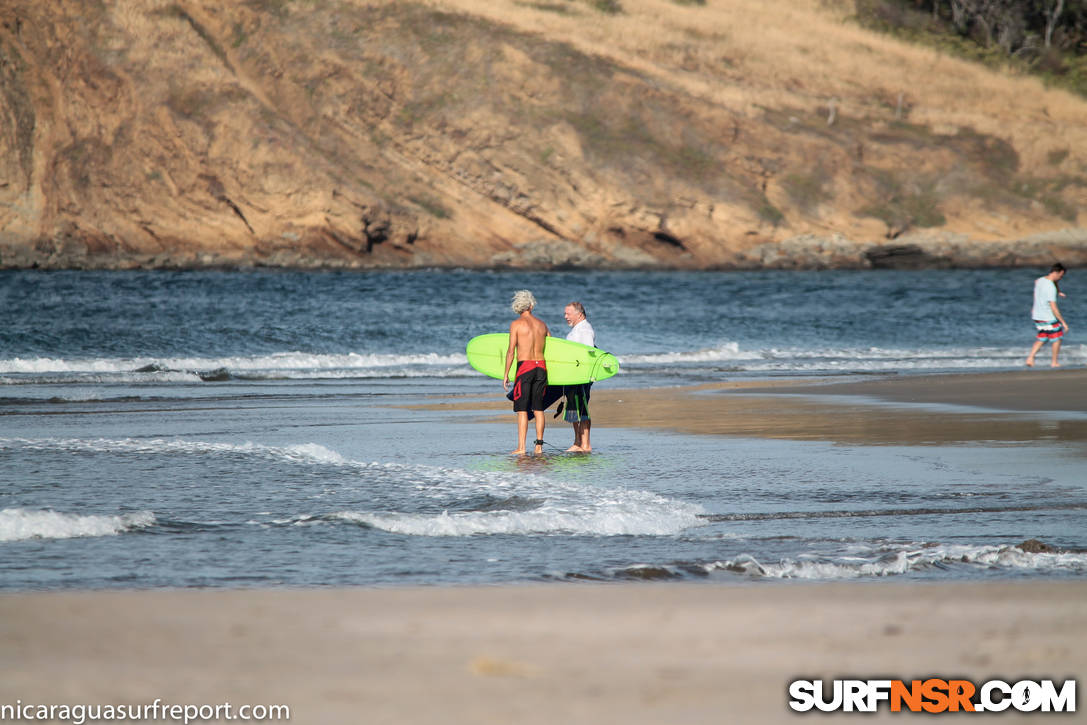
x=526, y=346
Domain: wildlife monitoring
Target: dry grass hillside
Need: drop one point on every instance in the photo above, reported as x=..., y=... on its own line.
x=515, y=133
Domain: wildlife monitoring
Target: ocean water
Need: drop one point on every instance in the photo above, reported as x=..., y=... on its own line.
x=264, y=428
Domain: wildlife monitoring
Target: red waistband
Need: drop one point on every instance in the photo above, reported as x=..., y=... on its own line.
x=527, y=365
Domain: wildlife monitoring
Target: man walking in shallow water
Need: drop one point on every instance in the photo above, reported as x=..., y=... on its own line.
x=527, y=336
x=1047, y=316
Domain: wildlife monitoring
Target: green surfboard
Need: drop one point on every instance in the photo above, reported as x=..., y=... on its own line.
x=568, y=363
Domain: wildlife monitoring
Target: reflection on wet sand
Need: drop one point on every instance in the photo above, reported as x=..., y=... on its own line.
x=1011, y=407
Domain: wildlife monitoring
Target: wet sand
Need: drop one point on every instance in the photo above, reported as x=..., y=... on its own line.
x=1040, y=389
x=916, y=410
x=1009, y=407
x=590, y=653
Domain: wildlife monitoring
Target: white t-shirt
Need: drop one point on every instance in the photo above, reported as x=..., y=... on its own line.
x=1045, y=291
x=582, y=332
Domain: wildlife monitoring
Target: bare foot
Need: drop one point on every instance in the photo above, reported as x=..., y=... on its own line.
x=574, y=449
x=1055, y=365
x=1030, y=362
x=538, y=450
x=518, y=452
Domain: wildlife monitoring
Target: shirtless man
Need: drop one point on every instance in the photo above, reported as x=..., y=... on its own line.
x=527, y=335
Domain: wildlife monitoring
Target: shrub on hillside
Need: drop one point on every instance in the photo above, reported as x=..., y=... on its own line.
x=1046, y=37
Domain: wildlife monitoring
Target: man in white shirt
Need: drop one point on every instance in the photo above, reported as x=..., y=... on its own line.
x=1047, y=316
x=577, y=396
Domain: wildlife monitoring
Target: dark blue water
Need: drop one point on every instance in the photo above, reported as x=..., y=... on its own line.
x=361, y=324
x=265, y=429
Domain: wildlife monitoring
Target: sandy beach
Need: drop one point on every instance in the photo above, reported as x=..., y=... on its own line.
x=542, y=654
x=592, y=653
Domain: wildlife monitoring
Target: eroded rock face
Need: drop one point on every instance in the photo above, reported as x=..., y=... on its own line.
x=152, y=133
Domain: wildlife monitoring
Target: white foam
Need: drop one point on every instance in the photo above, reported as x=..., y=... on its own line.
x=18, y=524
x=303, y=365
x=575, y=511
x=106, y=378
x=846, y=359
x=276, y=361
x=603, y=523
x=426, y=481
x=906, y=560
x=877, y=359
x=728, y=351
x=308, y=453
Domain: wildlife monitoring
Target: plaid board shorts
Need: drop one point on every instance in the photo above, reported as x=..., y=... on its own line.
x=1049, y=330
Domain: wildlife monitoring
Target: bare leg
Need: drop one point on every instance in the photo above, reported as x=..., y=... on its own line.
x=541, y=419
x=581, y=437
x=1034, y=351
x=586, y=425
x=576, y=448
x=522, y=430
x=1056, y=350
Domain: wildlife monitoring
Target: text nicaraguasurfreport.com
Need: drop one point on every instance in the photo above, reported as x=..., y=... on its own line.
x=150, y=712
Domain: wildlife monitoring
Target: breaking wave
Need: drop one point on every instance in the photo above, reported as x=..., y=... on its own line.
x=604, y=513
x=18, y=524
x=907, y=560
x=287, y=365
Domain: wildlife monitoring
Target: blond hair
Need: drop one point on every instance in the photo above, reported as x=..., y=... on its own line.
x=523, y=300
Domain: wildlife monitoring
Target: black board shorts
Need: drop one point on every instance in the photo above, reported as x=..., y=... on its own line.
x=577, y=403
x=529, y=389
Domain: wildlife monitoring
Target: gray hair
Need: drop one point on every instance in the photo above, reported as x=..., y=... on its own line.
x=578, y=308
x=523, y=300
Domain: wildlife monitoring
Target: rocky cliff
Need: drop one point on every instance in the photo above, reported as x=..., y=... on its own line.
x=354, y=133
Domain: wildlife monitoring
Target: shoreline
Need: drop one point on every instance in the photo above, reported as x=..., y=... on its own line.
x=630, y=653
x=1016, y=406
x=806, y=250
